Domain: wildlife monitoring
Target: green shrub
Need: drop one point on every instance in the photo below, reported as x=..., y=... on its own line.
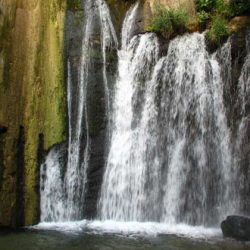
x=212, y=7
x=179, y=18
x=219, y=30
x=222, y=8
x=208, y=11
x=167, y=22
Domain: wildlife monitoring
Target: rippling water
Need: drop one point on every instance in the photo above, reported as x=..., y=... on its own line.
x=112, y=235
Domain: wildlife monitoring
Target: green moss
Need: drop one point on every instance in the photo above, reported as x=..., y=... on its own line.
x=167, y=21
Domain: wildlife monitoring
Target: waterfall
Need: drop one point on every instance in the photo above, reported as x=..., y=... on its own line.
x=121, y=195
x=171, y=156
x=66, y=203
x=198, y=188
x=128, y=25
x=242, y=137
x=52, y=196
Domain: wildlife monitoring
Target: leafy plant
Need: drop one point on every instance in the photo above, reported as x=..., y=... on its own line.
x=208, y=11
x=222, y=8
x=166, y=21
x=219, y=30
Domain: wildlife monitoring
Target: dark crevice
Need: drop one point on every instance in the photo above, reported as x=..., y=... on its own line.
x=20, y=178
x=40, y=159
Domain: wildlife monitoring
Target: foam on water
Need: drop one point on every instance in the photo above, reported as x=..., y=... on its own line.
x=131, y=228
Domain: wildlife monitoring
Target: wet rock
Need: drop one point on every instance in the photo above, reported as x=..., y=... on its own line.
x=237, y=227
x=239, y=22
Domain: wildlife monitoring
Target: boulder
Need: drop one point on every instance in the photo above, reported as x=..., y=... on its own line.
x=237, y=227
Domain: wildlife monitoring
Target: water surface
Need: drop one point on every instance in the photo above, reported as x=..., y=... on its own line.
x=106, y=236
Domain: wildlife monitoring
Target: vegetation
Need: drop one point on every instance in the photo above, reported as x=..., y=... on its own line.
x=215, y=14
x=211, y=14
x=219, y=30
x=167, y=22
x=208, y=9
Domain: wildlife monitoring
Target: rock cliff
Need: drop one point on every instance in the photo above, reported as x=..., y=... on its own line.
x=32, y=100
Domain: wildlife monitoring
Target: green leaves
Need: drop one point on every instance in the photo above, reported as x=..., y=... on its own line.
x=219, y=30
x=215, y=13
x=167, y=21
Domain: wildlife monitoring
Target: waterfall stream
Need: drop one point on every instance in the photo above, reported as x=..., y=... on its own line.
x=173, y=157
x=72, y=185
x=169, y=176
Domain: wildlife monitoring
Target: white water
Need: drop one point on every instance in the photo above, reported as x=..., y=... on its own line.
x=170, y=158
x=52, y=197
x=131, y=228
x=242, y=136
x=134, y=63
x=196, y=121
x=128, y=25
x=72, y=188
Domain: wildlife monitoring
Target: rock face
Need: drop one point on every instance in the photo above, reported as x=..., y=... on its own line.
x=32, y=100
x=237, y=227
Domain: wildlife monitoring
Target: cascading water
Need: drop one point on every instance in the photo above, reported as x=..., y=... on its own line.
x=70, y=186
x=198, y=184
x=173, y=157
x=134, y=69
x=135, y=62
x=242, y=136
x=170, y=158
